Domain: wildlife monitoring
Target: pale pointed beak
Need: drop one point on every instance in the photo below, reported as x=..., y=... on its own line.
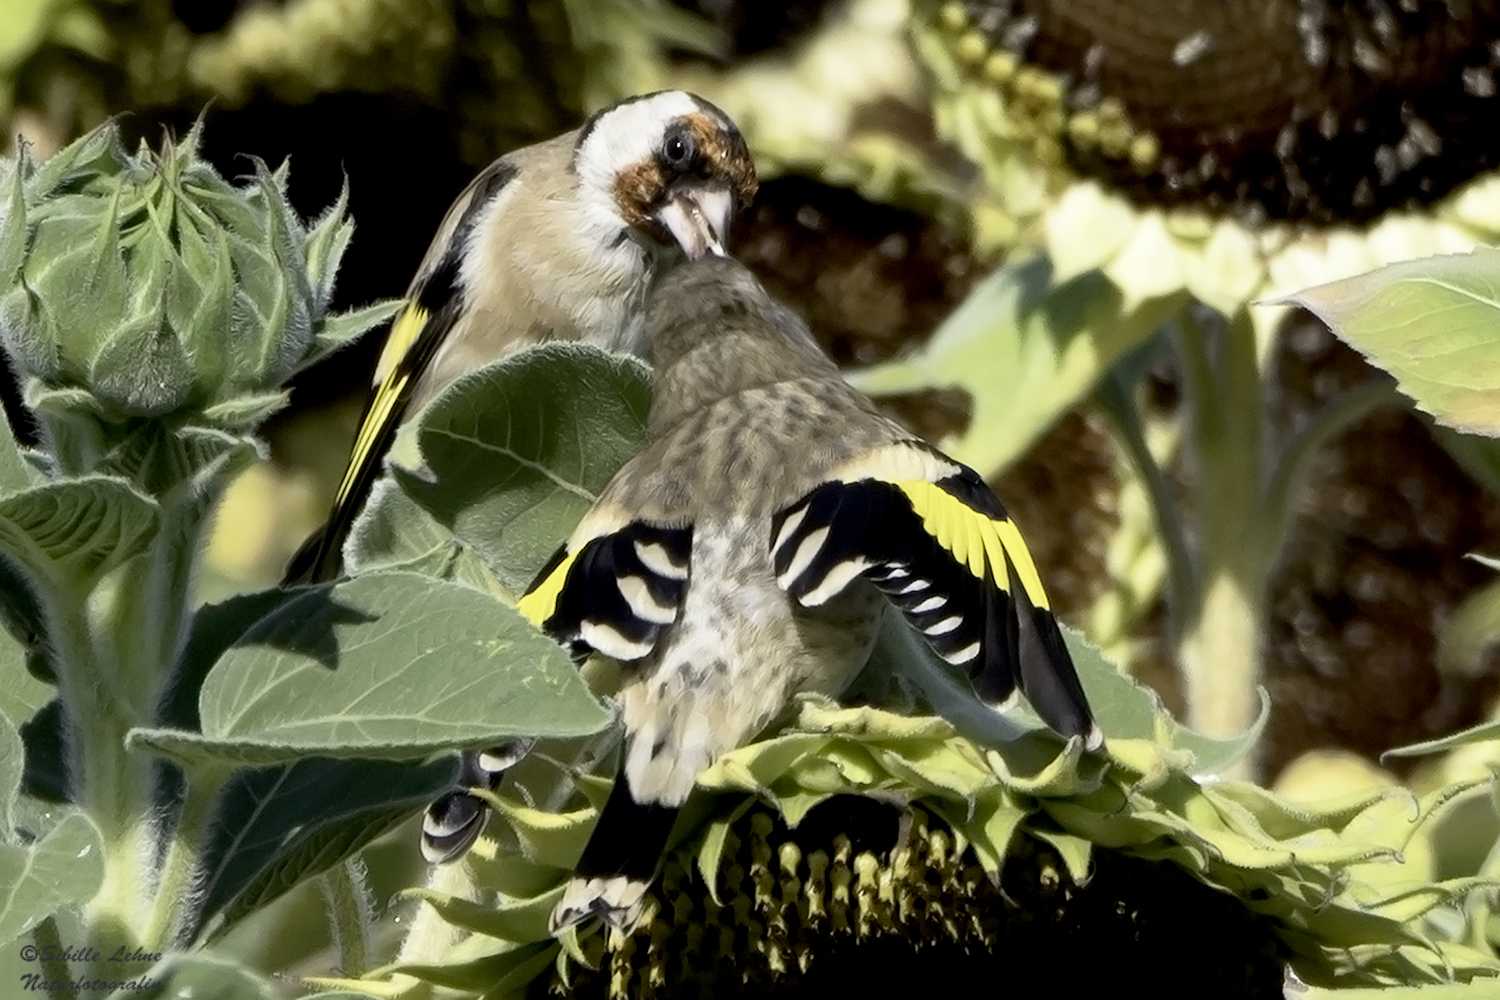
x=698, y=219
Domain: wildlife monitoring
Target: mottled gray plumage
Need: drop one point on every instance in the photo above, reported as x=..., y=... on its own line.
x=749, y=413
x=749, y=553
x=750, y=423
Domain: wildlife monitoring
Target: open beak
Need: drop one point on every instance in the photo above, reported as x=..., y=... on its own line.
x=698, y=219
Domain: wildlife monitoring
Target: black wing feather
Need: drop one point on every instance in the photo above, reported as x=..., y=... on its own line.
x=615, y=593
x=437, y=294
x=987, y=623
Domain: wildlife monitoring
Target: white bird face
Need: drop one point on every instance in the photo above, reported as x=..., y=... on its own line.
x=670, y=166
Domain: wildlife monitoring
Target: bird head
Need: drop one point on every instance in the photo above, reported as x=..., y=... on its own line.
x=671, y=167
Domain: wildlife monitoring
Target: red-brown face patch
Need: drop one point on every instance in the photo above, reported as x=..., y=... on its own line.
x=721, y=157
x=638, y=189
x=725, y=153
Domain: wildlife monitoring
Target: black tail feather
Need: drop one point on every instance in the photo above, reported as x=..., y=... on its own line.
x=629, y=838
x=618, y=864
x=1045, y=670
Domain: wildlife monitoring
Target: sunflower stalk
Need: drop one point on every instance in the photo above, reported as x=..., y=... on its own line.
x=1244, y=498
x=152, y=311
x=181, y=867
x=111, y=783
x=1220, y=637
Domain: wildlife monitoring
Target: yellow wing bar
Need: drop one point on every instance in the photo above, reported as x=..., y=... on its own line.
x=394, y=377
x=538, y=603
x=975, y=539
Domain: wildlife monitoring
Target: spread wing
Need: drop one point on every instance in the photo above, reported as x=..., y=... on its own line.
x=614, y=592
x=610, y=590
x=434, y=306
x=933, y=538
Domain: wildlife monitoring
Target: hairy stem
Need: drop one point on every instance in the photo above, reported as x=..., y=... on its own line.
x=1220, y=639
x=149, y=613
x=110, y=785
x=145, y=616
x=349, y=912
x=174, y=890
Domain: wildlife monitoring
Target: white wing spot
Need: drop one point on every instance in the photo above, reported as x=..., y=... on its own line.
x=787, y=528
x=835, y=581
x=962, y=656
x=806, y=553
x=655, y=557
x=607, y=640
x=945, y=626
x=638, y=596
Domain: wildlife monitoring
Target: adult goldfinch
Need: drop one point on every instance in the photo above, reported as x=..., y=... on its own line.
x=559, y=240
x=749, y=553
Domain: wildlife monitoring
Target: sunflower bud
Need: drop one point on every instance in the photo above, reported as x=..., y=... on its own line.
x=158, y=287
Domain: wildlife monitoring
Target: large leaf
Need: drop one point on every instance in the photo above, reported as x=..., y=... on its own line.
x=1431, y=323
x=1026, y=351
x=15, y=472
x=275, y=828
x=516, y=452
x=64, y=868
x=24, y=666
x=70, y=533
x=394, y=532
x=215, y=630
x=389, y=665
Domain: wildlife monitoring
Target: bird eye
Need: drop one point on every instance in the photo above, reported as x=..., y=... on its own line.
x=678, y=149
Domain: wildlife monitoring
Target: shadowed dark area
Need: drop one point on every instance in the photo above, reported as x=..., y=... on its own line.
x=1315, y=111
x=1035, y=934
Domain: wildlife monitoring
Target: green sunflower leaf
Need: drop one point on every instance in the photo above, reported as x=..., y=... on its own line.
x=1025, y=350
x=64, y=868
x=515, y=453
x=388, y=665
x=1430, y=323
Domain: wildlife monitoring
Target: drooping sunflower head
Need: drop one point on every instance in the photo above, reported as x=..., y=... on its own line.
x=856, y=846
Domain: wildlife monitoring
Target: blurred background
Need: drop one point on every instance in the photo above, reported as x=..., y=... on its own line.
x=1128, y=181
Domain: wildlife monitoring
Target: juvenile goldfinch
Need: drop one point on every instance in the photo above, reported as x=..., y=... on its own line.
x=749, y=553
x=559, y=240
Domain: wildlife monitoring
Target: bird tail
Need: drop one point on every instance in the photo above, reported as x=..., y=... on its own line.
x=453, y=822
x=1035, y=659
x=312, y=563
x=618, y=864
